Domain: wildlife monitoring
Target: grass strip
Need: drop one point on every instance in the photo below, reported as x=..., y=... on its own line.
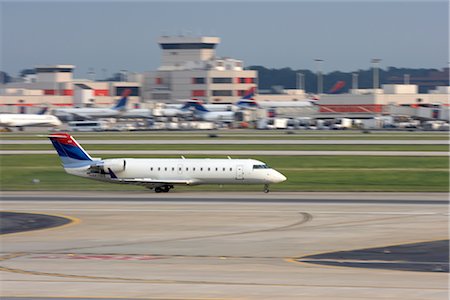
x=256, y=147
x=313, y=173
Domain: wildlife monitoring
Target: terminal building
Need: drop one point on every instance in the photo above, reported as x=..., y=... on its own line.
x=54, y=85
x=391, y=99
x=190, y=69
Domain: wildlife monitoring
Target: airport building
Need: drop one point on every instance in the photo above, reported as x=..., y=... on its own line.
x=391, y=99
x=54, y=85
x=190, y=69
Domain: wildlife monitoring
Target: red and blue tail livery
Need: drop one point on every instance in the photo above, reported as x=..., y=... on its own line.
x=122, y=103
x=249, y=94
x=69, y=151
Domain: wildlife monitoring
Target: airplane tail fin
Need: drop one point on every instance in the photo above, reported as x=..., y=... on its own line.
x=122, y=103
x=43, y=111
x=195, y=105
x=247, y=100
x=249, y=94
x=69, y=151
x=244, y=103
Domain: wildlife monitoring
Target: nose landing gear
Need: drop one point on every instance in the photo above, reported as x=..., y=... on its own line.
x=266, y=188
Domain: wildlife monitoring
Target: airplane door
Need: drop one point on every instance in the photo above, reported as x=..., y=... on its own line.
x=180, y=169
x=239, y=172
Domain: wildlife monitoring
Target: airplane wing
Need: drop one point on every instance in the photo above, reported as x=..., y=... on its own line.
x=148, y=182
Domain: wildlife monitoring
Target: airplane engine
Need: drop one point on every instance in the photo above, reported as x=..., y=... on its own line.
x=116, y=165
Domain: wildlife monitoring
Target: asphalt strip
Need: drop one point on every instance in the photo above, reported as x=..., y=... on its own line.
x=12, y=222
x=418, y=257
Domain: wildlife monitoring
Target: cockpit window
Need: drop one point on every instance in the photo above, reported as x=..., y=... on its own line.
x=260, y=167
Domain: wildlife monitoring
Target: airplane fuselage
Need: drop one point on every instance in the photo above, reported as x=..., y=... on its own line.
x=25, y=120
x=87, y=112
x=193, y=171
x=162, y=174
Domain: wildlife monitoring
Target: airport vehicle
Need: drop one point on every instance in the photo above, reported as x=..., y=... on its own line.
x=88, y=126
x=29, y=120
x=91, y=113
x=202, y=113
x=162, y=174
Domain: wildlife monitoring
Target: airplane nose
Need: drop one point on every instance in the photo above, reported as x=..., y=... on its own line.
x=281, y=177
x=277, y=177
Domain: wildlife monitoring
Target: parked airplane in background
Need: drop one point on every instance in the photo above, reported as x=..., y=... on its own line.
x=218, y=107
x=29, y=120
x=164, y=173
x=249, y=94
x=90, y=113
x=252, y=104
x=173, y=110
x=206, y=115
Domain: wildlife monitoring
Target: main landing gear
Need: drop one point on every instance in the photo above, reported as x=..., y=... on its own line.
x=163, y=189
x=266, y=188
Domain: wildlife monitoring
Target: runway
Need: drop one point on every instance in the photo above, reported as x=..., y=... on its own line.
x=218, y=246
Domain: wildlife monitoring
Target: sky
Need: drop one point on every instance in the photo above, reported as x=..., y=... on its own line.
x=109, y=36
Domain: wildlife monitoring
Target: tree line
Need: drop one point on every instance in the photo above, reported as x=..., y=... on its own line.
x=288, y=78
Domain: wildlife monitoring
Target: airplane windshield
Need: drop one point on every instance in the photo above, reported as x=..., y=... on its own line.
x=261, y=167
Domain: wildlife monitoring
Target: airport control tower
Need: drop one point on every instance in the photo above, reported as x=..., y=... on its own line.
x=190, y=69
x=177, y=50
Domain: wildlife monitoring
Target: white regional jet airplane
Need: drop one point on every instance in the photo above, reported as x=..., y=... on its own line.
x=29, y=120
x=162, y=174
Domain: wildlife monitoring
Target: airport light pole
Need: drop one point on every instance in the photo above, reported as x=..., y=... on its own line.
x=376, y=79
x=406, y=78
x=91, y=74
x=300, y=81
x=319, y=75
x=123, y=75
x=354, y=81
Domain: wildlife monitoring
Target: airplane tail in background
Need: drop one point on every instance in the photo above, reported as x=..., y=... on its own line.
x=247, y=104
x=247, y=100
x=195, y=105
x=43, y=111
x=70, y=152
x=122, y=103
x=337, y=87
x=249, y=94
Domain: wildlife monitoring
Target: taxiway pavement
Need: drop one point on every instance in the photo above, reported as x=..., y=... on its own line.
x=216, y=141
x=184, y=246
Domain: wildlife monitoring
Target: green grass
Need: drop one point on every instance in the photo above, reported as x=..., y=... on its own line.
x=257, y=147
x=311, y=173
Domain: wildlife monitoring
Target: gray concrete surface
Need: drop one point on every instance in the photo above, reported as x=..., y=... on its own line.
x=192, y=249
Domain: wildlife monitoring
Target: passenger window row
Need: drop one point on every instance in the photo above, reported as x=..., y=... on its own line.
x=187, y=169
